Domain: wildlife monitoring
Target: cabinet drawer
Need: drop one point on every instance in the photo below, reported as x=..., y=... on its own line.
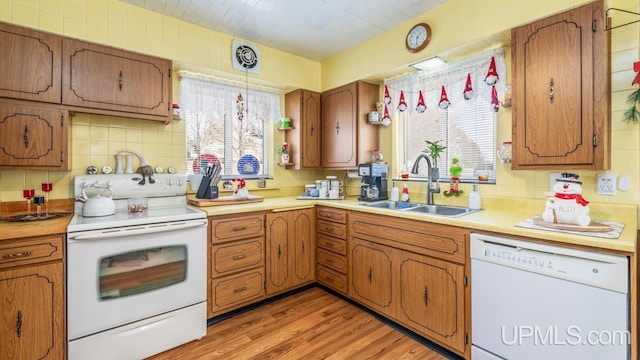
x=235, y=228
x=234, y=290
x=334, y=261
x=332, y=229
x=30, y=251
x=332, y=279
x=335, y=245
x=236, y=256
x=330, y=214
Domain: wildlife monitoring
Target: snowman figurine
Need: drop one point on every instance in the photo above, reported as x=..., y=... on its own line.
x=566, y=205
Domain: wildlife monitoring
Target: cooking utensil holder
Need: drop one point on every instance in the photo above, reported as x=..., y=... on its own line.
x=204, y=190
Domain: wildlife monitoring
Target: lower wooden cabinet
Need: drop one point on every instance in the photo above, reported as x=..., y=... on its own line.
x=32, y=315
x=371, y=280
x=290, y=238
x=235, y=290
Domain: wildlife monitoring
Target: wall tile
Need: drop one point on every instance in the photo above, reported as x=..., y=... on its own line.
x=49, y=22
x=74, y=28
x=24, y=15
x=75, y=9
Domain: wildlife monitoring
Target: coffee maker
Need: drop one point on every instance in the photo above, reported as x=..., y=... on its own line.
x=374, y=179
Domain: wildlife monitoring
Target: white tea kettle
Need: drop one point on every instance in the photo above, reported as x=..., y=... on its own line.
x=98, y=205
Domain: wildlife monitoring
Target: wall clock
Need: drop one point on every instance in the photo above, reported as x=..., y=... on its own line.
x=418, y=37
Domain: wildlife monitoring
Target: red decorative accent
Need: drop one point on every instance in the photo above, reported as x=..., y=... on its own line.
x=468, y=89
x=492, y=76
x=494, y=99
x=577, y=197
x=421, y=105
x=636, y=68
x=387, y=97
x=444, y=100
x=386, y=119
x=402, y=104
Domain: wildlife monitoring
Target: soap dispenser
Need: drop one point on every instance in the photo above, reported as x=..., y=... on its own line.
x=395, y=192
x=475, y=200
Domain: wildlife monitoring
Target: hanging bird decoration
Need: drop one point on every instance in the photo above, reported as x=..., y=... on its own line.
x=386, y=119
x=632, y=115
x=402, y=104
x=387, y=97
x=492, y=75
x=495, y=104
x=421, y=107
x=444, y=100
x=468, y=89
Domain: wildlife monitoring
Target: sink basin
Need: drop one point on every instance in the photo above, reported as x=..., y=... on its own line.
x=395, y=205
x=442, y=210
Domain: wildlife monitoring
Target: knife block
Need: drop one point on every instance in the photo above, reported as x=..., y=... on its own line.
x=206, y=190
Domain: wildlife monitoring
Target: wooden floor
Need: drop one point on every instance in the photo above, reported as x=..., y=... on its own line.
x=313, y=324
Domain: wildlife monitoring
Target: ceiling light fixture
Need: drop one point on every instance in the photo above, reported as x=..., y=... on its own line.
x=429, y=64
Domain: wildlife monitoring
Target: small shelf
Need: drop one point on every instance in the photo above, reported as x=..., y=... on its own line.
x=286, y=164
x=286, y=128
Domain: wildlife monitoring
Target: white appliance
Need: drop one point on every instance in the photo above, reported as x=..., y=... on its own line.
x=136, y=281
x=537, y=301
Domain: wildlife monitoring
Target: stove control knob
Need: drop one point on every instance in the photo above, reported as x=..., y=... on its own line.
x=170, y=182
x=180, y=182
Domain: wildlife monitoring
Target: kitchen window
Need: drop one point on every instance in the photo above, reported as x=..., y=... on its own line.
x=227, y=122
x=467, y=127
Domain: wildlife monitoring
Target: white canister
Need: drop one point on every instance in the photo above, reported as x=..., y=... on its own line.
x=373, y=117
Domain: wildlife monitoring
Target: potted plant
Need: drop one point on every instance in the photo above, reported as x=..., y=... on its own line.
x=434, y=149
x=284, y=153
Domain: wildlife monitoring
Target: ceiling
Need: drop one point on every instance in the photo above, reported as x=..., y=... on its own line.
x=314, y=29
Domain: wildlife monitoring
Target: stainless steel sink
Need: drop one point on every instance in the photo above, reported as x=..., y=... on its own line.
x=394, y=205
x=442, y=210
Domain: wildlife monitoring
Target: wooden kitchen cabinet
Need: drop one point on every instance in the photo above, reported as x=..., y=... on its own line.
x=560, y=109
x=32, y=304
x=115, y=82
x=33, y=137
x=332, y=266
x=31, y=64
x=414, y=272
x=303, y=108
x=290, y=243
x=236, y=262
x=347, y=138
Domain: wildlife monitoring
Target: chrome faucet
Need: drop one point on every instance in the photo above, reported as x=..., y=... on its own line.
x=430, y=189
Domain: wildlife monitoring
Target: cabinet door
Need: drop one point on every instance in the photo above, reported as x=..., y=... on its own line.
x=30, y=65
x=32, y=313
x=303, y=108
x=431, y=298
x=277, y=252
x=33, y=137
x=558, y=91
x=371, y=274
x=302, y=244
x=339, y=111
x=100, y=77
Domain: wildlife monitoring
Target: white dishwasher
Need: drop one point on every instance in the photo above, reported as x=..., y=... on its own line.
x=533, y=301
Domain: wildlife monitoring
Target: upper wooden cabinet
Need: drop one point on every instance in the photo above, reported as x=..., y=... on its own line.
x=109, y=79
x=33, y=137
x=303, y=108
x=30, y=64
x=347, y=139
x=560, y=109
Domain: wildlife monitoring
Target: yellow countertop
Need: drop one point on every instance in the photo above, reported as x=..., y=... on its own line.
x=498, y=218
x=16, y=230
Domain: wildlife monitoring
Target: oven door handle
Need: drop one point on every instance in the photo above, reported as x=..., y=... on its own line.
x=136, y=230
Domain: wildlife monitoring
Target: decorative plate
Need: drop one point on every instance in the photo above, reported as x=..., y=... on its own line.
x=201, y=159
x=248, y=165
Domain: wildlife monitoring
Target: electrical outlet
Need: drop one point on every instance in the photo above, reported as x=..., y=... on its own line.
x=606, y=184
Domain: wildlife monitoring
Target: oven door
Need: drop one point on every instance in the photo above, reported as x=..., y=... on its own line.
x=121, y=275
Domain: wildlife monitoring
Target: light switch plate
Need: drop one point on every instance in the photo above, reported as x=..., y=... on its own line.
x=606, y=184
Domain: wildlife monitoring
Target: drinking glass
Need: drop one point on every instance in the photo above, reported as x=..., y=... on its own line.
x=28, y=194
x=38, y=201
x=46, y=187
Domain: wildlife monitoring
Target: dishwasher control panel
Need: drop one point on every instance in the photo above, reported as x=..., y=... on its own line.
x=588, y=267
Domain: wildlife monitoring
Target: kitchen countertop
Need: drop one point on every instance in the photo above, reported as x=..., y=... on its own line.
x=498, y=219
x=14, y=230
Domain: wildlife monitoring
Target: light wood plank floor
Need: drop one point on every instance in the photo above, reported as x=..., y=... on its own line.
x=313, y=324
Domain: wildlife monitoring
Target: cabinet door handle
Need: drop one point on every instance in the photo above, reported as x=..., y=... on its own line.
x=370, y=276
x=426, y=296
x=239, y=257
x=279, y=252
x=19, y=324
x=239, y=290
x=120, y=80
x=337, y=127
x=239, y=228
x=16, y=255
x=26, y=136
x=312, y=130
x=302, y=245
x=551, y=90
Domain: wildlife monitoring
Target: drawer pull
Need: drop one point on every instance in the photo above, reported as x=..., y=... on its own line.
x=239, y=290
x=240, y=228
x=328, y=261
x=239, y=257
x=329, y=279
x=17, y=255
x=329, y=215
x=328, y=244
x=329, y=229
